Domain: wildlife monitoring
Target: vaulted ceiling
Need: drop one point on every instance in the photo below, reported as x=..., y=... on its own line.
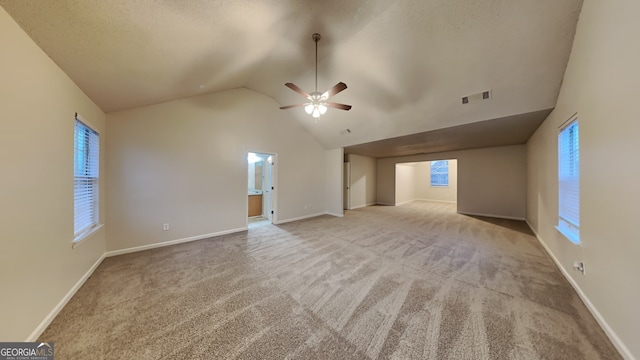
x=407, y=63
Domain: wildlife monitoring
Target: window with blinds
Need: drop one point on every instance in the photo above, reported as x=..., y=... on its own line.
x=85, y=184
x=440, y=173
x=569, y=181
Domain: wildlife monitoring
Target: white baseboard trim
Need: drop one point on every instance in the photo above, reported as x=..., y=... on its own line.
x=361, y=206
x=334, y=214
x=405, y=202
x=491, y=215
x=440, y=201
x=300, y=218
x=617, y=342
x=384, y=204
x=61, y=304
x=172, y=242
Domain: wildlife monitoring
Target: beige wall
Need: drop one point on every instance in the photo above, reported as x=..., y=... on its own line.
x=184, y=163
x=405, y=183
x=334, y=178
x=38, y=267
x=491, y=181
x=600, y=84
x=362, y=189
x=425, y=191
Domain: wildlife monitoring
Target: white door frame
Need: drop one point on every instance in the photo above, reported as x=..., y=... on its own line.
x=346, y=186
x=273, y=217
x=269, y=205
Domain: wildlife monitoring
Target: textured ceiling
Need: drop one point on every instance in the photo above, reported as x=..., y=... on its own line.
x=510, y=130
x=407, y=63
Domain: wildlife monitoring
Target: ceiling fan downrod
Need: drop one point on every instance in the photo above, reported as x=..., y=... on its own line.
x=316, y=37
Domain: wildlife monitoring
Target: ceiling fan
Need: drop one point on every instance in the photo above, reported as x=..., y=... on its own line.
x=318, y=103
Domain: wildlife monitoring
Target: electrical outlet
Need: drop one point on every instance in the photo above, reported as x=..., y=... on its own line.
x=165, y=227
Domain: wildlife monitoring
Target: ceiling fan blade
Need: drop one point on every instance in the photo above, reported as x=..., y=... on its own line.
x=335, y=89
x=338, y=106
x=291, y=106
x=295, y=88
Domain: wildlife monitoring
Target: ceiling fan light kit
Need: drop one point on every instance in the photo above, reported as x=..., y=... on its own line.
x=316, y=107
x=318, y=104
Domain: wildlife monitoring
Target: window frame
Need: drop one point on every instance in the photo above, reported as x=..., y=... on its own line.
x=91, y=164
x=568, y=222
x=432, y=173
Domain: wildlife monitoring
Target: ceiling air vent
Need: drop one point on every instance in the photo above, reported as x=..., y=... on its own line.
x=484, y=95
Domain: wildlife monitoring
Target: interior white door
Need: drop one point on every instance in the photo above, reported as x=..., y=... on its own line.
x=346, y=184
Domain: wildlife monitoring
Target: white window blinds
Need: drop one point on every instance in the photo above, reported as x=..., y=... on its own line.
x=85, y=171
x=569, y=181
x=440, y=173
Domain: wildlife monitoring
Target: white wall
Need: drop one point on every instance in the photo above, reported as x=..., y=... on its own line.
x=38, y=266
x=362, y=189
x=184, y=163
x=425, y=191
x=601, y=84
x=491, y=181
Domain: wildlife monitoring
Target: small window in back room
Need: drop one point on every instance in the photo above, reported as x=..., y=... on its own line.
x=85, y=171
x=440, y=173
x=569, y=181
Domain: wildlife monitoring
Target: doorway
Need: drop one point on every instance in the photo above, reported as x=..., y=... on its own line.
x=435, y=180
x=260, y=189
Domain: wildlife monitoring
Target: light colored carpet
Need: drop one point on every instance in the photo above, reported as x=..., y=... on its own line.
x=416, y=281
